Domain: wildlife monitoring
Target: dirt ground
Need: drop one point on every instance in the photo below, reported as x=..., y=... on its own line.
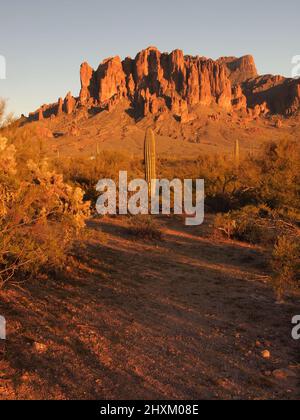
x=184, y=318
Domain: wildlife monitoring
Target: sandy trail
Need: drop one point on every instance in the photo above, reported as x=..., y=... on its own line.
x=178, y=319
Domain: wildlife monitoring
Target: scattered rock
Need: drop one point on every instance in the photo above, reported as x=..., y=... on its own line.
x=268, y=373
x=266, y=354
x=39, y=347
x=284, y=374
x=25, y=377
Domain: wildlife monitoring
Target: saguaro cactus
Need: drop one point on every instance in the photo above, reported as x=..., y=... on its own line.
x=150, y=159
x=237, y=152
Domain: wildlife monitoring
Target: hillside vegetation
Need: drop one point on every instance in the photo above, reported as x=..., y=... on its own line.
x=45, y=198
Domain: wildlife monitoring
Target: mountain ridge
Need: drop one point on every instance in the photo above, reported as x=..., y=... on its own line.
x=154, y=83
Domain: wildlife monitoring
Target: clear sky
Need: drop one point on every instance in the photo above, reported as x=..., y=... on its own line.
x=44, y=42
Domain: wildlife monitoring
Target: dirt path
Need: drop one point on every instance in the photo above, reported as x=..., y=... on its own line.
x=184, y=318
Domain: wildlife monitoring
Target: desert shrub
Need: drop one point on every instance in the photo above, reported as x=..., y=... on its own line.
x=28, y=147
x=219, y=173
x=285, y=264
x=280, y=175
x=86, y=172
x=40, y=216
x=7, y=172
x=257, y=225
x=7, y=158
x=241, y=225
x=144, y=227
x=5, y=119
x=271, y=178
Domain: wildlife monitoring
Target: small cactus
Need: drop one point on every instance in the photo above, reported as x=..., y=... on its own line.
x=150, y=159
x=237, y=152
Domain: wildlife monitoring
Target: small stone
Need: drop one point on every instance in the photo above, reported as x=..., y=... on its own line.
x=283, y=374
x=25, y=377
x=40, y=348
x=268, y=373
x=266, y=354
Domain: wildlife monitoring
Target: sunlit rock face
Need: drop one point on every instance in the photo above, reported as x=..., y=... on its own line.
x=155, y=82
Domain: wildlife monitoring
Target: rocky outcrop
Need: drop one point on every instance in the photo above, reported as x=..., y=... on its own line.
x=239, y=100
x=60, y=105
x=154, y=83
x=41, y=114
x=69, y=104
x=111, y=81
x=239, y=69
x=87, y=85
x=281, y=95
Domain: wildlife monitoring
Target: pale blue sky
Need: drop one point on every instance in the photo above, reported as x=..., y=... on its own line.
x=44, y=42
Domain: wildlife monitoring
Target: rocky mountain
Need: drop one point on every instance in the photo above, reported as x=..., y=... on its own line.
x=154, y=83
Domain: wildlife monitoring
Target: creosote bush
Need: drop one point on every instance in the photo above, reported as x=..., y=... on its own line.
x=257, y=225
x=144, y=227
x=40, y=216
x=86, y=173
x=286, y=265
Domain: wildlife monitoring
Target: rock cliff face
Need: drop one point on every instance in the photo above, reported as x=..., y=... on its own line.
x=155, y=82
x=281, y=95
x=239, y=69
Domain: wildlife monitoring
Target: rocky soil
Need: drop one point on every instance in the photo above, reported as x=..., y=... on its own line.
x=190, y=317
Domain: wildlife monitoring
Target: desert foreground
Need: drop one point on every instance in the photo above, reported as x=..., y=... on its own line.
x=190, y=317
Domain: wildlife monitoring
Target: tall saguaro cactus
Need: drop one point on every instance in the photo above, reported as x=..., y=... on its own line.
x=150, y=159
x=237, y=153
